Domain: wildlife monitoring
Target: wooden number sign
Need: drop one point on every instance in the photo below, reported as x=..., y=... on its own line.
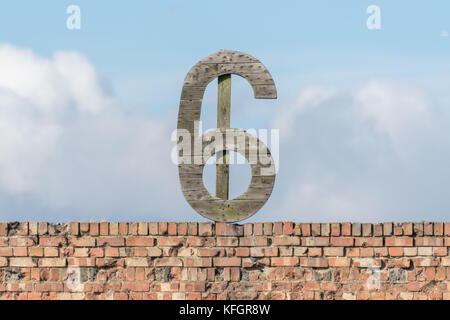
x=194, y=150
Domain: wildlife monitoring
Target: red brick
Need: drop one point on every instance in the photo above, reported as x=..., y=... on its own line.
x=398, y=242
x=227, y=262
x=51, y=252
x=3, y=229
x=182, y=229
x=346, y=229
x=335, y=229
x=248, y=229
x=278, y=228
x=192, y=228
x=3, y=263
x=225, y=229
x=94, y=229
x=142, y=229
x=396, y=251
x=210, y=252
x=305, y=229
x=205, y=229
x=74, y=228
x=378, y=230
x=6, y=252
x=82, y=242
x=429, y=241
x=339, y=262
x=140, y=242
x=104, y=228
x=172, y=229
x=169, y=241
x=342, y=241
x=314, y=262
x=168, y=262
x=253, y=241
x=111, y=241
x=123, y=228
x=288, y=228
x=197, y=262
x=96, y=252
x=315, y=241
x=21, y=252
x=334, y=251
x=284, y=261
x=52, y=262
x=428, y=229
x=242, y=252
x=22, y=262
x=315, y=229
x=112, y=252
x=268, y=228
x=162, y=228
x=325, y=229
x=227, y=241
x=52, y=241
x=286, y=241
x=368, y=242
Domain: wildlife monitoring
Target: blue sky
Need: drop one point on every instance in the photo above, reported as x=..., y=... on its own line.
x=363, y=114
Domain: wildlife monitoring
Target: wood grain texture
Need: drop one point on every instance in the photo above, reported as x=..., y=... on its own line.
x=221, y=65
x=223, y=122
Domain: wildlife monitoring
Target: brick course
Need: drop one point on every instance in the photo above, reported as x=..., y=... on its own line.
x=280, y=260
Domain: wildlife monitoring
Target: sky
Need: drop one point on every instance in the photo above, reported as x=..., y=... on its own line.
x=86, y=115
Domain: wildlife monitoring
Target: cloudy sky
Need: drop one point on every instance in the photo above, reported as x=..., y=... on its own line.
x=86, y=115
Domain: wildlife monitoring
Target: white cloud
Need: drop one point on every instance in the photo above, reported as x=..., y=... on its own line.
x=374, y=153
x=69, y=151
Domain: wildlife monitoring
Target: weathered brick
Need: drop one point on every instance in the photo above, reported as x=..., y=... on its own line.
x=325, y=229
x=111, y=241
x=82, y=242
x=367, y=229
x=284, y=261
x=342, y=241
x=315, y=241
x=285, y=241
x=334, y=251
x=339, y=262
x=52, y=262
x=278, y=228
x=227, y=241
x=429, y=241
x=22, y=262
x=314, y=262
x=140, y=242
x=197, y=262
x=227, y=262
x=104, y=228
x=398, y=242
x=52, y=241
x=94, y=229
x=356, y=229
x=205, y=229
x=346, y=229
x=288, y=228
x=137, y=262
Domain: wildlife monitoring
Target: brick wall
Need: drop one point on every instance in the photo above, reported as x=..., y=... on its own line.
x=220, y=261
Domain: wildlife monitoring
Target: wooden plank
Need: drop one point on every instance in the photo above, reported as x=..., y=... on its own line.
x=228, y=56
x=223, y=122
